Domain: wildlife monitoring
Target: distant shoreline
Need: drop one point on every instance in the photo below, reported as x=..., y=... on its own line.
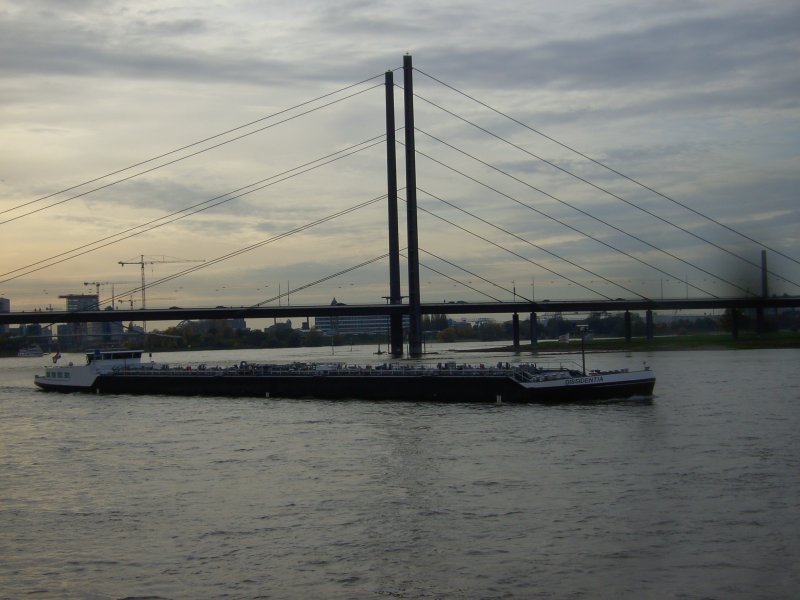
x=748, y=341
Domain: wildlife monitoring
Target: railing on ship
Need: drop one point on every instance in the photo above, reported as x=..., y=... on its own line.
x=518, y=371
x=325, y=370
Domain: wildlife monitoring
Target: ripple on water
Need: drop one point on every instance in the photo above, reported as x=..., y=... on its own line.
x=691, y=495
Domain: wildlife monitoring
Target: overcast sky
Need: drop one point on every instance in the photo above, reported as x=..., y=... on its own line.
x=696, y=99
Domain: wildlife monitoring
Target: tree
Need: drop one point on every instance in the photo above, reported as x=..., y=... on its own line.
x=726, y=320
x=434, y=322
x=446, y=335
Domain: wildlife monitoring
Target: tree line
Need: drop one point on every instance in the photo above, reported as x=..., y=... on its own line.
x=221, y=334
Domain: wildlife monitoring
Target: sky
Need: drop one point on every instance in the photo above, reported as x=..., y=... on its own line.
x=697, y=100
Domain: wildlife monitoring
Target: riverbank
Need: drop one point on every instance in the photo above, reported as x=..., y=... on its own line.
x=746, y=341
x=784, y=339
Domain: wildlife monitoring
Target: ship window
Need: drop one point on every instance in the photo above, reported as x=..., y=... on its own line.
x=123, y=355
x=66, y=375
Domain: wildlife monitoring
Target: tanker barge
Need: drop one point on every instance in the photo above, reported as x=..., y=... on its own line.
x=123, y=372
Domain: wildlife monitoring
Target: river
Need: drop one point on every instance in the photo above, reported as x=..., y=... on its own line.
x=693, y=495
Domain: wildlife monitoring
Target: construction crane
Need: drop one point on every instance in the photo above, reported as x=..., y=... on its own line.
x=97, y=285
x=152, y=260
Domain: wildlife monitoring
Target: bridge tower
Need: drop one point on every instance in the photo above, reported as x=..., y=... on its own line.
x=395, y=297
x=415, y=313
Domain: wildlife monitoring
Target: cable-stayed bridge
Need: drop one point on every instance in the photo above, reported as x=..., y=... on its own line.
x=582, y=222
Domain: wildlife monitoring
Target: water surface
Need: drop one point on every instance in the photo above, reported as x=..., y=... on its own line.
x=692, y=495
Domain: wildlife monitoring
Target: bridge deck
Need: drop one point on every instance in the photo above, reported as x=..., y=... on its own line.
x=284, y=312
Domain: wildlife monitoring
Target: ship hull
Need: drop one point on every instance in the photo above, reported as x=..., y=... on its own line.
x=433, y=388
x=120, y=371
x=64, y=389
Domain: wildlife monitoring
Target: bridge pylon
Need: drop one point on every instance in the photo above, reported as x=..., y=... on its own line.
x=415, y=313
x=395, y=295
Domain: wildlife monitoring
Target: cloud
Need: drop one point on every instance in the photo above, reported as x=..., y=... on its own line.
x=698, y=100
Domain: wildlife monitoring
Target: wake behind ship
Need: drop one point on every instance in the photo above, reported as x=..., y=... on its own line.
x=122, y=372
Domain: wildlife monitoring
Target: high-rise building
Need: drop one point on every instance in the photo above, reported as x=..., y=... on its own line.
x=80, y=302
x=75, y=335
x=354, y=324
x=5, y=307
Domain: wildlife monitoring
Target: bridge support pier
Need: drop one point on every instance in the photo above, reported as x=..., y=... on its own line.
x=515, y=331
x=649, y=325
x=628, y=334
x=735, y=323
x=761, y=325
x=534, y=333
